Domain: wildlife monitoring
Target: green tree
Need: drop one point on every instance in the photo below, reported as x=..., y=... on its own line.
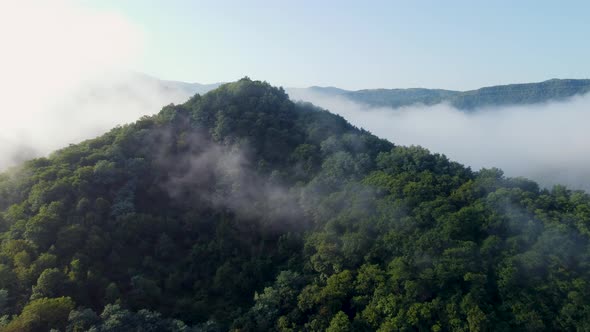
x=42, y=315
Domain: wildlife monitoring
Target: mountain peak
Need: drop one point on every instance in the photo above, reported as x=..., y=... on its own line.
x=241, y=210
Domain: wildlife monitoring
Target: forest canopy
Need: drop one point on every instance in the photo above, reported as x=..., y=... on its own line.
x=241, y=210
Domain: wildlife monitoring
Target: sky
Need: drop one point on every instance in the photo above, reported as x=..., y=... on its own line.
x=69, y=69
x=359, y=44
x=64, y=76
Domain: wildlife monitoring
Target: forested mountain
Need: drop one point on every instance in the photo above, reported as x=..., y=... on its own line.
x=241, y=210
x=400, y=97
x=494, y=96
x=520, y=94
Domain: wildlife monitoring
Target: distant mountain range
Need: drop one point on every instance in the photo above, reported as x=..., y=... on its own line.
x=184, y=87
x=240, y=210
x=494, y=96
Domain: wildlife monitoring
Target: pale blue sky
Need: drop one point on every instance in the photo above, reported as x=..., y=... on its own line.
x=361, y=44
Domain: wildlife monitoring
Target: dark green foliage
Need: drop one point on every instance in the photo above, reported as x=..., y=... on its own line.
x=240, y=210
x=42, y=315
x=114, y=319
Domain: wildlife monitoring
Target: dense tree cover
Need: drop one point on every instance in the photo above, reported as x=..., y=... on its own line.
x=242, y=211
x=493, y=96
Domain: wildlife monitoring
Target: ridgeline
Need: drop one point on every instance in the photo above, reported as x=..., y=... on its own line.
x=241, y=210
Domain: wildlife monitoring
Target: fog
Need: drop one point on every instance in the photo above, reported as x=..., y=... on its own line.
x=65, y=78
x=549, y=143
x=206, y=173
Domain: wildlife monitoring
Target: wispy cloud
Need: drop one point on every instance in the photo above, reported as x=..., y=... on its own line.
x=545, y=142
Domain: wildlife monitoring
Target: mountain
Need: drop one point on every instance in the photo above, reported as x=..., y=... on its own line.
x=520, y=94
x=494, y=96
x=95, y=105
x=325, y=90
x=187, y=88
x=241, y=210
x=400, y=97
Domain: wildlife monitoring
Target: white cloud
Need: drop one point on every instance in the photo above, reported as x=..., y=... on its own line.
x=545, y=142
x=50, y=47
x=64, y=76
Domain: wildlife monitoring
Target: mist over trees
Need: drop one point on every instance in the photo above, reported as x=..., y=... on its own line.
x=241, y=210
x=541, y=141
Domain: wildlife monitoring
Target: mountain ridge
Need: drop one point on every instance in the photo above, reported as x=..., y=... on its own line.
x=240, y=210
x=468, y=100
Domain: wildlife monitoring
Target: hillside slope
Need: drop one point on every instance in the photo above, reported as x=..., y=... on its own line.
x=240, y=210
